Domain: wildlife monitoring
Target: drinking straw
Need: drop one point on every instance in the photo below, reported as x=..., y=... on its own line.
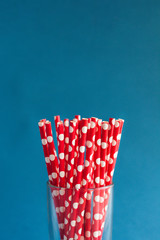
x=111, y=166
x=69, y=178
x=109, y=143
x=60, y=129
x=98, y=142
x=76, y=199
x=85, y=178
x=52, y=154
x=45, y=148
x=114, y=149
x=87, y=216
x=66, y=142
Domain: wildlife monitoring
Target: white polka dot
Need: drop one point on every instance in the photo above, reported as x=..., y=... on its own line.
x=98, y=160
x=66, y=157
x=80, y=231
x=110, y=139
x=55, y=193
x=102, y=226
x=80, y=168
x=62, y=174
x=72, y=161
x=50, y=177
x=75, y=205
x=52, y=157
x=70, y=198
x=107, y=157
x=78, y=219
x=82, y=149
x=112, y=172
x=62, y=192
x=49, y=139
x=105, y=126
x=87, y=233
x=69, y=215
x=86, y=163
x=70, y=129
x=44, y=141
x=95, y=148
x=88, y=196
x=97, y=180
x=41, y=124
x=70, y=148
x=85, y=195
x=69, y=167
x=84, y=182
x=88, y=215
x=61, y=137
x=65, y=221
x=84, y=129
x=66, y=123
x=114, y=143
x=57, y=210
x=47, y=160
x=115, y=154
x=89, y=144
x=113, y=121
x=68, y=185
x=73, y=142
x=73, y=223
x=93, y=124
x=97, y=234
x=67, y=140
x=62, y=209
x=119, y=137
x=71, y=179
x=116, y=124
x=99, y=122
x=99, y=142
x=75, y=154
x=81, y=201
x=110, y=161
x=107, y=178
x=104, y=145
x=77, y=186
x=75, y=236
x=54, y=175
x=102, y=182
x=103, y=164
x=61, y=155
x=98, y=216
x=97, y=198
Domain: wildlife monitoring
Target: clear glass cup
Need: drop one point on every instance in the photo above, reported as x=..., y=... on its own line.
x=93, y=206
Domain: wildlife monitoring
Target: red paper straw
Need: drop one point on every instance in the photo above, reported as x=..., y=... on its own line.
x=45, y=148
x=114, y=149
x=52, y=154
x=66, y=142
x=86, y=178
x=78, y=179
x=69, y=178
x=110, y=138
x=61, y=174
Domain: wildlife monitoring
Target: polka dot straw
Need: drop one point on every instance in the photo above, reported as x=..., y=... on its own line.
x=87, y=153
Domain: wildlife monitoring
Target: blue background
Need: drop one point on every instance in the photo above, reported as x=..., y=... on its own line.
x=94, y=58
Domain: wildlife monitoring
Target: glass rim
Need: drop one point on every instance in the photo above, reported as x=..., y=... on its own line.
x=91, y=189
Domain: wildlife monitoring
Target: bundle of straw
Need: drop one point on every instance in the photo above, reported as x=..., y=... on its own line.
x=87, y=154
